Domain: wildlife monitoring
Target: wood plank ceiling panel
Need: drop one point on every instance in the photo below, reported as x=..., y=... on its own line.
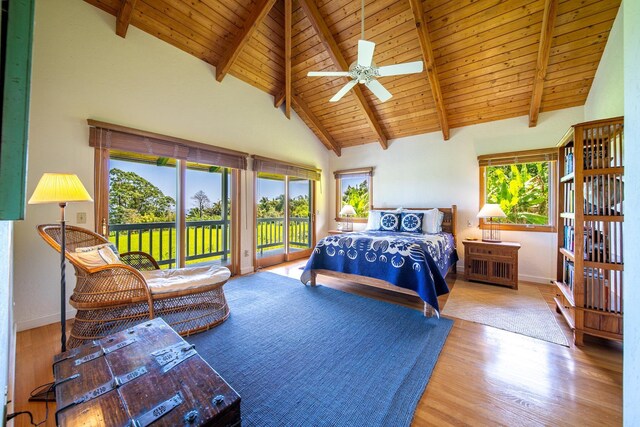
x=469, y=82
x=485, y=55
x=580, y=36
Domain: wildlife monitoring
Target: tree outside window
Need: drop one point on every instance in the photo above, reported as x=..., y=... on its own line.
x=522, y=184
x=521, y=190
x=353, y=187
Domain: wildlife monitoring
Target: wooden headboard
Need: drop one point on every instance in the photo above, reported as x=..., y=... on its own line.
x=448, y=222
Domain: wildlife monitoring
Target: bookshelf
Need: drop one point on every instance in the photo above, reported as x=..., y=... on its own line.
x=590, y=218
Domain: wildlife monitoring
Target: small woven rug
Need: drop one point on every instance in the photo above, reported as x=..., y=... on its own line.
x=523, y=311
x=315, y=356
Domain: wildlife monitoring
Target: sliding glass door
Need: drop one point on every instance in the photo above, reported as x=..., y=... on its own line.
x=300, y=201
x=177, y=211
x=142, y=207
x=208, y=214
x=270, y=219
x=284, y=218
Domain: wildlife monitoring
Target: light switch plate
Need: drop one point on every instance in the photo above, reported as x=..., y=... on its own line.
x=81, y=217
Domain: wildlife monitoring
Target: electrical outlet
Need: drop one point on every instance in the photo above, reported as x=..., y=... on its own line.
x=81, y=217
x=469, y=224
x=246, y=252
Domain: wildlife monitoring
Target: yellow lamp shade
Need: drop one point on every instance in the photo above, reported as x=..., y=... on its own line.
x=59, y=188
x=491, y=210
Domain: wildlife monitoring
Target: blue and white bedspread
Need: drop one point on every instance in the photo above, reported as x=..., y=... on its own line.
x=413, y=261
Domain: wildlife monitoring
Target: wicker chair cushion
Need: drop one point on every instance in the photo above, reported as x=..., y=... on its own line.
x=182, y=279
x=96, y=256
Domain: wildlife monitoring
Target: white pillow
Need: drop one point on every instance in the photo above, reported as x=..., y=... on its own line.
x=373, y=221
x=96, y=256
x=432, y=222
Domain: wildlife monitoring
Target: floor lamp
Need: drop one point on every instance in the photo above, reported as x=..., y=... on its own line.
x=61, y=188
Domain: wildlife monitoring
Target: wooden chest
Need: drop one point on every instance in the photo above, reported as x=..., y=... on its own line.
x=145, y=375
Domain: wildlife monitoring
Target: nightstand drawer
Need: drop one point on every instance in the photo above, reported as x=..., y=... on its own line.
x=492, y=251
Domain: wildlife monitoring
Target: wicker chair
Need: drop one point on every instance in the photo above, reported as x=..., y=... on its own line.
x=113, y=297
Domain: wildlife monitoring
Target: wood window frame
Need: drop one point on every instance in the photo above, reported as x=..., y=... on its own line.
x=287, y=170
x=338, y=175
x=514, y=157
x=203, y=152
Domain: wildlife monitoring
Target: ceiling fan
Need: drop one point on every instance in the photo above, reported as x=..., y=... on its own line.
x=364, y=71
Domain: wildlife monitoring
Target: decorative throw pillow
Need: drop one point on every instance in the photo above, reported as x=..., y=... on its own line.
x=96, y=256
x=100, y=246
x=411, y=222
x=389, y=221
x=373, y=221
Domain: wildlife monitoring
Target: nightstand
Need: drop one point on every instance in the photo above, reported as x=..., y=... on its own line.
x=491, y=262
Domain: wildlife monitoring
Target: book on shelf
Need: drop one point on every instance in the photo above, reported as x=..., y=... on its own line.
x=569, y=273
x=569, y=238
x=571, y=196
x=568, y=163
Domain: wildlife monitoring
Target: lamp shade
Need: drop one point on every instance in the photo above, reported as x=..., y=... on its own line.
x=347, y=210
x=59, y=188
x=491, y=210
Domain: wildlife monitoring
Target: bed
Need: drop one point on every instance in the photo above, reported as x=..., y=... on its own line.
x=409, y=263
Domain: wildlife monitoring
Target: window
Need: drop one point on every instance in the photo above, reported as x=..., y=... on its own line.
x=354, y=187
x=284, y=210
x=171, y=198
x=522, y=183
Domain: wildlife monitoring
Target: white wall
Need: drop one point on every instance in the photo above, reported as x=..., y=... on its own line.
x=631, y=379
x=606, y=96
x=6, y=332
x=81, y=70
x=425, y=171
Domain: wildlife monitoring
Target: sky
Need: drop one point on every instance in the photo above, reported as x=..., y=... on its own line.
x=164, y=178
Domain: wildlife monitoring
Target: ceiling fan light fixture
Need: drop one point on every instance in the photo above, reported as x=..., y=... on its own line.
x=365, y=72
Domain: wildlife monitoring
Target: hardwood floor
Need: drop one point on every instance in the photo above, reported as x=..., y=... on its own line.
x=484, y=376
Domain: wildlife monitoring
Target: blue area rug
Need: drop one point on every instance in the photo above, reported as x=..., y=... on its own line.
x=305, y=356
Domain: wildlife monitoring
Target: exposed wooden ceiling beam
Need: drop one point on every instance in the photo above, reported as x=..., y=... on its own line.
x=278, y=98
x=430, y=65
x=123, y=18
x=544, y=49
x=261, y=10
x=287, y=57
x=324, y=136
x=322, y=30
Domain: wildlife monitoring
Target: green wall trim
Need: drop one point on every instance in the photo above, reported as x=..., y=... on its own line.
x=15, y=109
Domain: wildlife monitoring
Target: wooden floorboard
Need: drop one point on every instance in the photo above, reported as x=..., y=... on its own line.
x=484, y=376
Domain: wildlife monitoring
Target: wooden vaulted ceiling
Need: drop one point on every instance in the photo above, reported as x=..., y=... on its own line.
x=485, y=60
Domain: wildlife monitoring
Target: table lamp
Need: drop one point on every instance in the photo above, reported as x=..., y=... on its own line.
x=490, y=211
x=60, y=188
x=347, y=212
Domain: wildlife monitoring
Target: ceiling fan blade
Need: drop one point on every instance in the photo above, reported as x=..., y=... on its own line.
x=379, y=90
x=365, y=52
x=328, y=74
x=346, y=88
x=397, y=69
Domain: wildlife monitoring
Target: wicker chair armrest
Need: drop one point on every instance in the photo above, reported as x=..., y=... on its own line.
x=140, y=260
x=111, y=284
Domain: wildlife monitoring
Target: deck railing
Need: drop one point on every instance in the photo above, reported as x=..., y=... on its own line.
x=206, y=240
x=270, y=235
